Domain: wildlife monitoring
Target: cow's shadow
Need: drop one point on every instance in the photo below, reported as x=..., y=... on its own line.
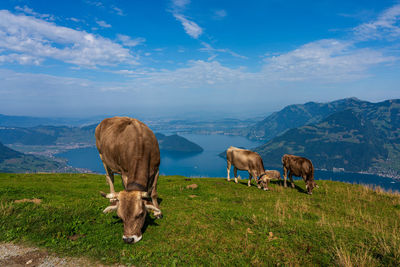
x=275, y=182
x=289, y=186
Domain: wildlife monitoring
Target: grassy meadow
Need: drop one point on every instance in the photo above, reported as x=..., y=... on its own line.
x=218, y=223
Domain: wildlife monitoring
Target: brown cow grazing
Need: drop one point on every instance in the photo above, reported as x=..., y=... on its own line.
x=269, y=175
x=128, y=147
x=299, y=166
x=245, y=160
x=273, y=174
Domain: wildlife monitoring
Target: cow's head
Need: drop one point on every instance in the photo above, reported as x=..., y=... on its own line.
x=310, y=186
x=131, y=207
x=264, y=181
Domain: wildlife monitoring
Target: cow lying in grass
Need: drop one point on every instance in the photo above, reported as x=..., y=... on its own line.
x=245, y=160
x=299, y=166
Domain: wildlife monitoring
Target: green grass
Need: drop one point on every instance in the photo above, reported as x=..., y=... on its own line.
x=219, y=223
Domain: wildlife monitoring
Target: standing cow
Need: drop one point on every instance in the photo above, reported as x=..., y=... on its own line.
x=128, y=147
x=245, y=160
x=298, y=166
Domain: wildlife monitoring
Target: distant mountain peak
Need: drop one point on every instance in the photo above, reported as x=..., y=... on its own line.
x=297, y=115
x=362, y=137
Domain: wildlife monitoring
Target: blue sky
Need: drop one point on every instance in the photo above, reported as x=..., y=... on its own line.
x=185, y=57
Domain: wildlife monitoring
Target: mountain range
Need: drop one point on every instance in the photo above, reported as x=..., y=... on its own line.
x=14, y=161
x=298, y=115
x=348, y=135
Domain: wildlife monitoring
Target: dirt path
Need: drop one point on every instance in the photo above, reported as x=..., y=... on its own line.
x=17, y=255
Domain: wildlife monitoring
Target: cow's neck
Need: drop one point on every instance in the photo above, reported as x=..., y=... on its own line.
x=133, y=186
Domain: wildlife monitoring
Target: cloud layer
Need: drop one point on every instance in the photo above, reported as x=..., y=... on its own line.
x=26, y=39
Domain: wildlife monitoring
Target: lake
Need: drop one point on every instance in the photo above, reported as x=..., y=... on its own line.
x=209, y=164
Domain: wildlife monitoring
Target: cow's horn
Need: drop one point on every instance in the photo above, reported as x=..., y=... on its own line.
x=144, y=194
x=152, y=207
x=110, y=208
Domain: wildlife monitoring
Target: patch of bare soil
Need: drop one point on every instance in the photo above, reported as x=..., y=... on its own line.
x=16, y=255
x=33, y=200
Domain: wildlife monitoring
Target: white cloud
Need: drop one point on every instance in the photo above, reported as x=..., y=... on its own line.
x=94, y=3
x=386, y=26
x=30, y=11
x=220, y=14
x=28, y=36
x=103, y=24
x=22, y=59
x=213, y=51
x=75, y=19
x=327, y=60
x=180, y=3
x=190, y=27
x=127, y=41
x=118, y=11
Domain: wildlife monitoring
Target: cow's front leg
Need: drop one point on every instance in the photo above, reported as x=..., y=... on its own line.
x=284, y=176
x=110, y=180
x=228, y=169
x=157, y=214
x=249, y=182
x=235, y=173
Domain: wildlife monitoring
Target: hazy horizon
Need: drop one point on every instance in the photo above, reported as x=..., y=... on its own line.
x=194, y=115
x=182, y=57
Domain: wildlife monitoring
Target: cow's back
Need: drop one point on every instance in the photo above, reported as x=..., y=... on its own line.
x=273, y=174
x=299, y=166
x=244, y=159
x=127, y=146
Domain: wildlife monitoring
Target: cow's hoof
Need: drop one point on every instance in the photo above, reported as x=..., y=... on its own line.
x=158, y=216
x=266, y=189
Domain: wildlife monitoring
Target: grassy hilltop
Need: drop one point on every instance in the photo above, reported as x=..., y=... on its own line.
x=218, y=223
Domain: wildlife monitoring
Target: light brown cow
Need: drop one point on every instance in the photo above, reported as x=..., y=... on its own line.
x=299, y=166
x=269, y=175
x=245, y=160
x=128, y=147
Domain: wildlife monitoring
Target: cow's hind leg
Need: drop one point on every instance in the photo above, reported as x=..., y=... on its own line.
x=235, y=173
x=291, y=179
x=228, y=169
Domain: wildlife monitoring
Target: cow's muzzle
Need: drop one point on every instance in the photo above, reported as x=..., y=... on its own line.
x=131, y=239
